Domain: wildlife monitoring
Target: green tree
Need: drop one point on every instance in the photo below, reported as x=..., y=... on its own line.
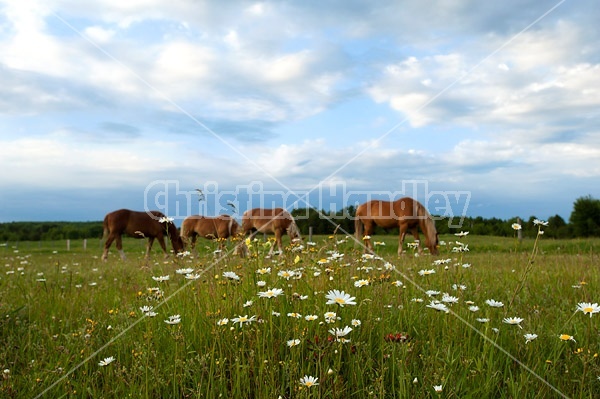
x=585, y=218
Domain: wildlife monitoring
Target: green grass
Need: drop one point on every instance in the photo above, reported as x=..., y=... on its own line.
x=62, y=312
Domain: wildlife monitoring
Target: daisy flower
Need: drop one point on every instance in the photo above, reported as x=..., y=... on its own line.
x=311, y=317
x=397, y=283
x=566, y=337
x=192, y=276
x=361, y=283
x=165, y=219
x=588, y=308
x=294, y=315
x=106, y=361
x=243, y=319
x=309, y=381
x=293, y=342
x=438, y=388
x=538, y=222
x=271, y=293
x=175, y=319
x=493, y=303
x=438, y=306
x=516, y=226
x=286, y=274
x=513, y=320
x=340, y=332
x=264, y=270
x=462, y=234
x=474, y=308
x=161, y=278
x=231, y=275
x=529, y=337
x=449, y=298
x=184, y=271
x=330, y=317
x=222, y=322
x=426, y=272
x=482, y=320
x=355, y=322
x=340, y=298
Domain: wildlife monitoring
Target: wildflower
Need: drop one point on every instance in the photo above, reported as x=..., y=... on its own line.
x=516, y=226
x=231, y=275
x=323, y=261
x=309, y=381
x=106, y=361
x=146, y=309
x=264, y=270
x=397, y=283
x=588, y=308
x=459, y=287
x=482, y=320
x=432, y=293
x=184, y=271
x=175, y=319
x=192, y=276
x=340, y=298
x=222, y=322
x=368, y=256
x=183, y=254
x=355, y=322
x=462, y=234
x=513, y=320
x=271, y=293
x=474, y=308
x=165, y=219
x=366, y=238
x=340, y=332
x=330, y=317
x=426, y=272
x=243, y=319
x=361, y=283
x=566, y=337
x=449, y=298
x=247, y=304
x=276, y=314
x=493, y=303
x=466, y=265
x=294, y=315
x=438, y=306
x=380, y=243
x=311, y=317
x=529, y=337
x=161, y=278
x=437, y=388
x=538, y=222
x=418, y=300
x=293, y=342
x=261, y=283
x=286, y=274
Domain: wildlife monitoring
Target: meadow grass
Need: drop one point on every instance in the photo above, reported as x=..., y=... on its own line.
x=416, y=322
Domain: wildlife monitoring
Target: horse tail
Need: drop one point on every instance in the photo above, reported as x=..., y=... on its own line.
x=358, y=227
x=427, y=225
x=230, y=226
x=105, y=229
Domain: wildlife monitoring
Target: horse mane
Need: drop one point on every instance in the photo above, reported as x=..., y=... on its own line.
x=427, y=225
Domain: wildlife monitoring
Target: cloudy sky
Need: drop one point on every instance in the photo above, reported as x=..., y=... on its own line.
x=492, y=107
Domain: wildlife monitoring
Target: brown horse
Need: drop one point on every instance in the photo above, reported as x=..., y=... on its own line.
x=214, y=228
x=150, y=225
x=277, y=221
x=405, y=213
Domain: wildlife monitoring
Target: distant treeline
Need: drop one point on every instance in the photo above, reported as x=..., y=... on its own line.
x=583, y=222
x=43, y=231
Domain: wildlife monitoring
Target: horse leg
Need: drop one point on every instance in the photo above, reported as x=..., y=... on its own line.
x=401, y=239
x=415, y=233
x=120, y=247
x=368, y=225
x=149, y=246
x=107, y=245
x=161, y=241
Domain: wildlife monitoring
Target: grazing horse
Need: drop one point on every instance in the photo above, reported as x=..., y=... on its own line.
x=220, y=227
x=277, y=221
x=405, y=213
x=150, y=225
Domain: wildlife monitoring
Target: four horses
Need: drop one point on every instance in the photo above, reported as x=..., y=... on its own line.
x=151, y=225
x=277, y=221
x=221, y=227
x=405, y=213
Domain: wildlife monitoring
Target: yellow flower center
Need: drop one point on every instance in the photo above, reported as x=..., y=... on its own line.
x=565, y=337
x=340, y=301
x=589, y=309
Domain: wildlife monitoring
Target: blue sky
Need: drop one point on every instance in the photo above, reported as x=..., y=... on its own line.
x=103, y=101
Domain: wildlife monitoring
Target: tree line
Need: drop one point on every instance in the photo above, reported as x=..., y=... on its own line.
x=583, y=222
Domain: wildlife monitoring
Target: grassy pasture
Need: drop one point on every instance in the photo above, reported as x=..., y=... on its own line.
x=63, y=312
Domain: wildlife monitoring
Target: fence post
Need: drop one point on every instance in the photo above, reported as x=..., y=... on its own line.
x=520, y=231
x=310, y=233
x=68, y=245
x=85, y=244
